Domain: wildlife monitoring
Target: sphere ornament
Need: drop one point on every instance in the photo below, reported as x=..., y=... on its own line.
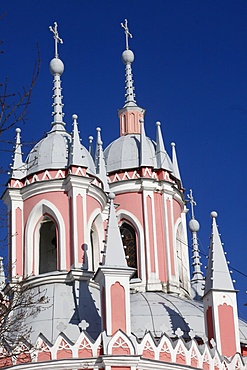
x=213, y=214
x=194, y=225
x=56, y=66
x=128, y=56
x=111, y=196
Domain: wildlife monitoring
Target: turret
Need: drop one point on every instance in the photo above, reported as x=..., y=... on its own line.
x=220, y=304
x=113, y=276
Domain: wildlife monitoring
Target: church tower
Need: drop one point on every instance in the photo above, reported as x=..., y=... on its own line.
x=104, y=238
x=149, y=190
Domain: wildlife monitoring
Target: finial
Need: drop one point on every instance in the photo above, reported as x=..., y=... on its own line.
x=162, y=158
x=197, y=281
x=127, y=33
x=111, y=196
x=213, y=214
x=90, y=149
x=18, y=167
x=56, y=38
x=192, y=203
x=176, y=171
x=100, y=161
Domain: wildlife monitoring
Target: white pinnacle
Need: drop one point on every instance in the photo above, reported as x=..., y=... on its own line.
x=18, y=168
x=197, y=281
x=128, y=58
x=100, y=161
x=57, y=69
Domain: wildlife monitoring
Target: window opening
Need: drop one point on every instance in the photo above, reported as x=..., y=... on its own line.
x=129, y=241
x=47, y=246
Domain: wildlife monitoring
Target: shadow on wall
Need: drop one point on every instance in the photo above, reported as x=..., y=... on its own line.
x=86, y=315
x=177, y=322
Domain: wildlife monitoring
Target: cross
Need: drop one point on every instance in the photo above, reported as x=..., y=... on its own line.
x=192, y=202
x=56, y=37
x=127, y=33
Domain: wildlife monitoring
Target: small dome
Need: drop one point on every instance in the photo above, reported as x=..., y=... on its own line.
x=158, y=313
x=53, y=152
x=124, y=153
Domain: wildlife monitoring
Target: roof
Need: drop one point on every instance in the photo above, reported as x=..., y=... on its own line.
x=160, y=313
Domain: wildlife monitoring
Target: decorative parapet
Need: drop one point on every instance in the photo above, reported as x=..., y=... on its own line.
x=146, y=354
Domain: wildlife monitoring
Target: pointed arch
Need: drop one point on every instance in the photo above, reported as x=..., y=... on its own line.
x=94, y=239
x=47, y=245
x=182, y=255
x=120, y=344
x=32, y=236
x=128, y=234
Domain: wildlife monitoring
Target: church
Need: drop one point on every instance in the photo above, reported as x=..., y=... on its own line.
x=103, y=232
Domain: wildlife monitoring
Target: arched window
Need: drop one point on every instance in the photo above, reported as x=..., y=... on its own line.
x=129, y=241
x=47, y=246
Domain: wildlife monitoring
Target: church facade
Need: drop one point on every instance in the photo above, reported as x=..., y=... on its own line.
x=105, y=237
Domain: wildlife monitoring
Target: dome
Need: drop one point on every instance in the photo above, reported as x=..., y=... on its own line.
x=53, y=152
x=160, y=313
x=124, y=153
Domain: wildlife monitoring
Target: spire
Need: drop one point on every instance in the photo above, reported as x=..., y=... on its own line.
x=18, y=168
x=130, y=114
x=218, y=275
x=100, y=161
x=128, y=59
x=219, y=300
x=90, y=149
x=113, y=277
x=175, y=163
x=145, y=159
x=56, y=69
x=163, y=160
x=76, y=147
x=114, y=256
x=197, y=281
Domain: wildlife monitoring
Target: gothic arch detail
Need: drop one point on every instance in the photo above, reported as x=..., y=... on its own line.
x=32, y=236
x=181, y=256
x=128, y=234
x=129, y=218
x=95, y=238
x=47, y=245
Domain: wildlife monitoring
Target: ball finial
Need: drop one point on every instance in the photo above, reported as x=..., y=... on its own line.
x=213, y=214
x=56, y=67
x=111, y=196
x=74, y=117
x=17, y=130
x=128, y=56
x=194, y=225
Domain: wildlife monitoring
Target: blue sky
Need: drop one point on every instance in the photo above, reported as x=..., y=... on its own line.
x=190, y=73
